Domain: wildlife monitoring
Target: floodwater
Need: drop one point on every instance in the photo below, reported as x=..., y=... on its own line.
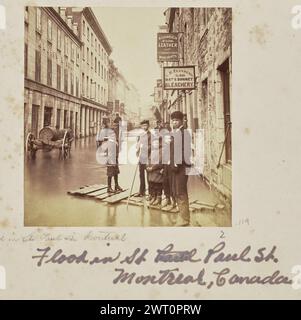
x=48, y=179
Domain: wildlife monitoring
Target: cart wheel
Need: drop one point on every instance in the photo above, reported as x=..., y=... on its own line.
x=65, y=146
x=29, y=147
x=66, y=152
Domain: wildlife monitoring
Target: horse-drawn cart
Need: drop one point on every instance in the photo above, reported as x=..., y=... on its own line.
x=50, y=138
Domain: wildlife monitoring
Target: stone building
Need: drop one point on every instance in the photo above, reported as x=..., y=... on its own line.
x=123, y=96
x=51, y=70
x=205, y=41
x=66, y=70
x=95, y=52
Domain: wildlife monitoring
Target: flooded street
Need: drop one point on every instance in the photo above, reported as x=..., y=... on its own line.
x=48, y=179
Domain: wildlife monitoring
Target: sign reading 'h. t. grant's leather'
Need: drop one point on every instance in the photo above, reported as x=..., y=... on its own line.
x=167, y=47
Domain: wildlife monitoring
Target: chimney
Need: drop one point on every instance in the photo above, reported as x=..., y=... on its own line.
x=75, y=28
x=63, y=13
x=69, y=21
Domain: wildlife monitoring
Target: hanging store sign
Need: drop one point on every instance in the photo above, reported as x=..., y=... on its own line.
x=167, y=47
x=158, y=96
x=110, y=106
x=179, y=78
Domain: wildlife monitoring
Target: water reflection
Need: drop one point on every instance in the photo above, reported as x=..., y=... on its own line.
x=48, y=178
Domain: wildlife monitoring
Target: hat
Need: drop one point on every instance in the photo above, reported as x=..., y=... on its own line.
x=144, y=122
x=177, y=115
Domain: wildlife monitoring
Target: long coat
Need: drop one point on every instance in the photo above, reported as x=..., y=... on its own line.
x=179, y=177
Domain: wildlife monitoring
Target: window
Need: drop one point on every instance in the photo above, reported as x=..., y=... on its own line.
x=77, y=87
x=101, y=97
x=39, y=20
x=65, y=119
x=102, y=72
x=87, y=55
x=72, y=51
x=35, y=119
x=105, y=74
x=95, y=65
x=99, y=49
x=66, y=46
x=91, y=60
x=77, y=55
x=25, y=59
x=71, y=120
x=83, y=53
x=98, y=93
x=91, y=90
x=87, y=87
x=72, y=83
x=59, y=39
x=95, y=45
x=225, y=78
x=104, y=96
x=83, y=84
x=49, y=71
x=47, y=116
x=58, y=77
x=99, y=68
x=38, y=66
x=58, y=118
x=49, y=30
x=88, y=33
x=102, y=53
x=66, y=80
x=84, y=27
x=91, y=39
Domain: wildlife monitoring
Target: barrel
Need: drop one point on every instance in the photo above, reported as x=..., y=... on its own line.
x=51, y=134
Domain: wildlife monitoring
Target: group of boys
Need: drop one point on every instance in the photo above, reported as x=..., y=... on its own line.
x=164, y=156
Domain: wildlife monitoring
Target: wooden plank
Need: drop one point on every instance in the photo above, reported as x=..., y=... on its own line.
x=118, y=197
x=205, y=204
x=106, y=195
x=97, y=192
x=201, y=208
x=86, y=189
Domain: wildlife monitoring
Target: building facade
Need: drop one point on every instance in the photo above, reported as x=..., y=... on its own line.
x=66, y=70
x=51, y=70
x=205, y=41
x=95, y=52
x=124, y=97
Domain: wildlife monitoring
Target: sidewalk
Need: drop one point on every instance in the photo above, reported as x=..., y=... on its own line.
x=198, y=190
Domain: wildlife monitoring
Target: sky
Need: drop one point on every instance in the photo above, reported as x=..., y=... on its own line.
x=132, y=33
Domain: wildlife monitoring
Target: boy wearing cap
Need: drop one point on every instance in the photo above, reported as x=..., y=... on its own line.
x=143, y=150
x=180, y=150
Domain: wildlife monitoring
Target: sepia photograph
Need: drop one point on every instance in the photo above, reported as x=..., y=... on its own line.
x=127, y=117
